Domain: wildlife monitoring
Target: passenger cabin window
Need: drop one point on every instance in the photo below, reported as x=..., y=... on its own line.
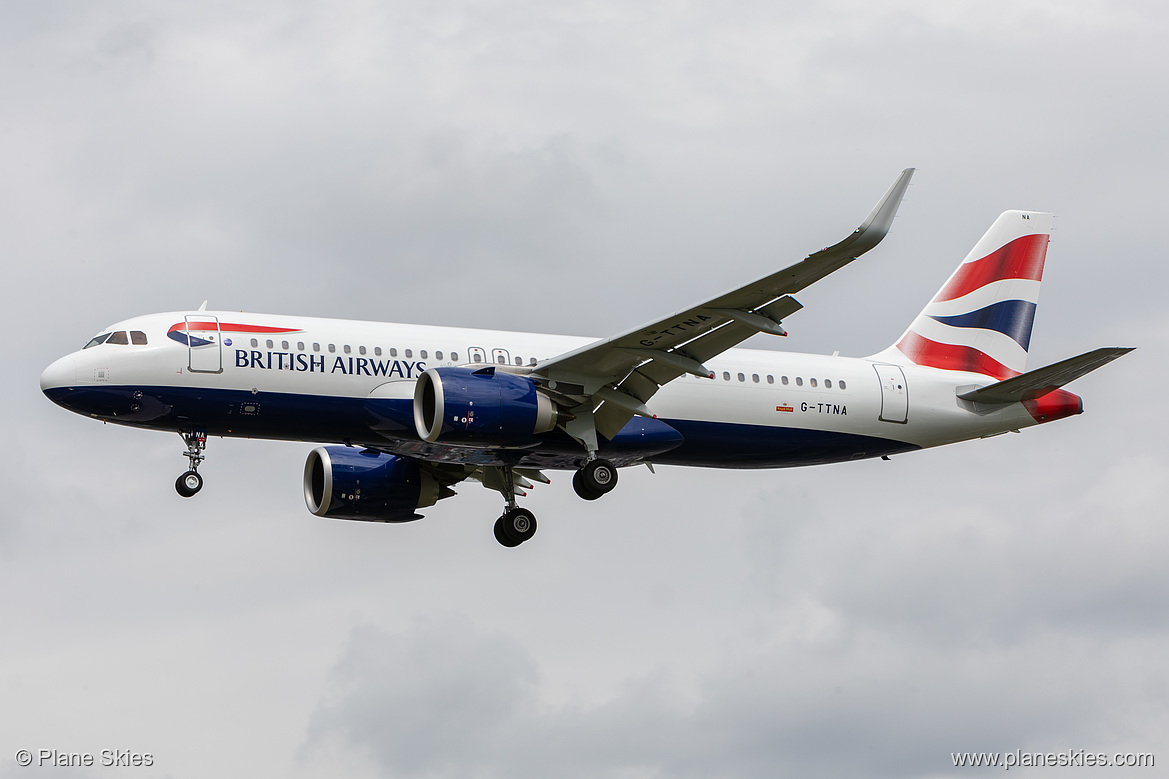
x=255, y=343
x=119, y=338
x=101, y=339
x=138, y=338
x=842, y=384
x=755, y=377
x=300, y=346
x=409, y=353
x=422, y=355
x=770, y=379
x=332, y=348
x=347, y=349
x=361, y=350
x=799, y=382
x=393, y=352
x=316, y=347
x=726, y=376
x=377, y=351
x=828, y=383
x=532, y=361
x=783, y=380
x=438, y=355
x=454, y=356
x=812, y=382
x=284, y=345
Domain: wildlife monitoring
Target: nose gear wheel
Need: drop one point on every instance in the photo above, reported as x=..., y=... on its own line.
x=191, y=482
x=188, y=484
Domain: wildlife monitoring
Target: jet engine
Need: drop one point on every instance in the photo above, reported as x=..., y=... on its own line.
x=484, y=406
x=341, y=482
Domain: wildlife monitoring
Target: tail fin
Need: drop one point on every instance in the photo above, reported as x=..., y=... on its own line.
x=980, y=320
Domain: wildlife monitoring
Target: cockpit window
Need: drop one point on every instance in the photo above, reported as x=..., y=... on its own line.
x=119, y=338
x=101, y=339
x=137, y=337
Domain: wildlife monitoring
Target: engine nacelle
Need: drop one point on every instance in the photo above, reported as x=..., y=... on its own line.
x=341, y=482
x=485, y=406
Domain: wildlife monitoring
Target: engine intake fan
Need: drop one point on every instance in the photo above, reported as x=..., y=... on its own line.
x=341, y=482
x=484, y=406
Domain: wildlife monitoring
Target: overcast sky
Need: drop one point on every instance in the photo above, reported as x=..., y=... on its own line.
x=581, y=168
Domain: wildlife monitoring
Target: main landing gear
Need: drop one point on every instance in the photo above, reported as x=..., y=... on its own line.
x=594, y=479
x=517, y=525
x=191, y=482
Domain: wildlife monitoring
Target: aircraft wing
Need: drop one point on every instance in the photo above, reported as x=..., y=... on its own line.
x=616, y=376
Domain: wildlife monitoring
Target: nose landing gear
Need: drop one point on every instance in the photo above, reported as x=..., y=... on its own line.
x=191, y=482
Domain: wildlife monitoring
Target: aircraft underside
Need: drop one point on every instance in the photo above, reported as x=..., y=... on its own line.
x=387, y=425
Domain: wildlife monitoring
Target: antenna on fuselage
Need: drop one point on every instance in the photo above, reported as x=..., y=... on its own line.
x=204, y=306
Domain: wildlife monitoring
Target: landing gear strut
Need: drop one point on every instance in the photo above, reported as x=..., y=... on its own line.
x=191, y=482
x=596, y=478
x=517, y=525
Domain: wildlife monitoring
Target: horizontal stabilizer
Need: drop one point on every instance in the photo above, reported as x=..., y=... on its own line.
x=1039, y=382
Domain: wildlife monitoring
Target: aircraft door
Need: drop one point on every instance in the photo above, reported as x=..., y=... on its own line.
x=476, y=354
x=500, y=356
x=894, y=394
x=203, y=344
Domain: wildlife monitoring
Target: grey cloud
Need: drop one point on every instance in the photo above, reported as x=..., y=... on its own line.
x=436, y=700
x=975, y=558
x=469, y=705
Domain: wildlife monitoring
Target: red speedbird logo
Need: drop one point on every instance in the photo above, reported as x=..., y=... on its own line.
x=182, y=331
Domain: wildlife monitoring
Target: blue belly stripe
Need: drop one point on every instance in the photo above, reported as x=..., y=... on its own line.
x=387, y=424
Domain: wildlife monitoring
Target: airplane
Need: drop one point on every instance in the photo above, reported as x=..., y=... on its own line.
x=405, y=412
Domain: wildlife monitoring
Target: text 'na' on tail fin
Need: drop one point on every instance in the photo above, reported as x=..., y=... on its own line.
x=980, y=320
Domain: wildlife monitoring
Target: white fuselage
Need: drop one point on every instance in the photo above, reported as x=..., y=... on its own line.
x=286, y=377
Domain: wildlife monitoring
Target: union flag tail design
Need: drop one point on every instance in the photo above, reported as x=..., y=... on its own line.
x=981, y=318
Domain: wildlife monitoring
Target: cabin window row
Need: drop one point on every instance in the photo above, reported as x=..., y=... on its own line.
x=423, y=354
x=785, y=381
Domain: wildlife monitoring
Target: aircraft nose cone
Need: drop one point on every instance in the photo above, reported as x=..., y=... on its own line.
x=62, y=373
